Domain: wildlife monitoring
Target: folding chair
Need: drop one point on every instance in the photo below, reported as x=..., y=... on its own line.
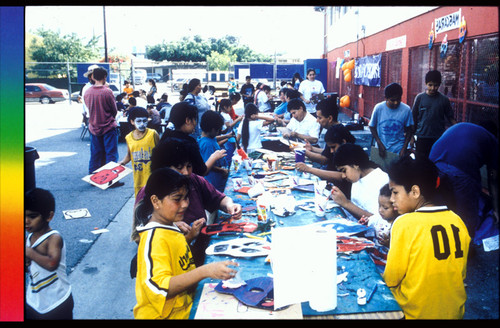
x=85, y=126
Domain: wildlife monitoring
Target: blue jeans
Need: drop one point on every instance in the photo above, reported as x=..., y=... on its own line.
x=103, y=149
x=467, y=192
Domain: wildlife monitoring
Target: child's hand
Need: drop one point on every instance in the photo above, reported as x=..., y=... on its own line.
x=219, y=154
x=338, y=196
x=220, y=270
x=384, y=238
x=363, y=220
x=183, y=226
x=195, y=229
x=301, y=167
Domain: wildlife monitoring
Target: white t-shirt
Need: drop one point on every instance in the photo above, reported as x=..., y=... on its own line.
x=227, y=120
x=310, y=88
x=308, y=126
x=254, y=130
x=263, y=102
x=365, y=192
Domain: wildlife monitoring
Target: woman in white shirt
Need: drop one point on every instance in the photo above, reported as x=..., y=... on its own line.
x=251, y=127
x=310, y=89
x=366, y=177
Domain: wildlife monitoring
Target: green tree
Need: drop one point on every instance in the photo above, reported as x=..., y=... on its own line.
x=220, y=62
x=197, y=49
x=49, y=46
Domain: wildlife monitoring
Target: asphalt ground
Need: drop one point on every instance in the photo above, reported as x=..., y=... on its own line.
x=98, y=264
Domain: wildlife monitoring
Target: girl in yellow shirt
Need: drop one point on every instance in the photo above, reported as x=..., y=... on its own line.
x=166, y=273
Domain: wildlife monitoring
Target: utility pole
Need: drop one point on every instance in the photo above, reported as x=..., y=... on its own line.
x=105, y=37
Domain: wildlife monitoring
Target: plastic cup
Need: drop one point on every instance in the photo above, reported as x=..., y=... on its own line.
x=300, y=155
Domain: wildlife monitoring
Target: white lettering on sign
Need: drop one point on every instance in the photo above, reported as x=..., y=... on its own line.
x=368, y=70
x=396, y=43
x=448, y=22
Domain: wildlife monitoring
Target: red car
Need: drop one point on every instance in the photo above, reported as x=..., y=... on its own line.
x=44, y=93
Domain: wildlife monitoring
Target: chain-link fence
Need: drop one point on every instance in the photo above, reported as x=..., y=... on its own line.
x=469, y=76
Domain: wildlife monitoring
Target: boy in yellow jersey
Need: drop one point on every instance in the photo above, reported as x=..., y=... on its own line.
x=427, y=260
x=140, y=144
x=166, y=273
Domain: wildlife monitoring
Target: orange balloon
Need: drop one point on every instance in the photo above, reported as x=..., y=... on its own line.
x=345, y=101
x=350, y=64
x=344, y=66
x=347, y=71
x=348, y=77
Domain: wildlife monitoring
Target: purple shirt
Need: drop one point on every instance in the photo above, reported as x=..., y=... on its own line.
x=203, y=196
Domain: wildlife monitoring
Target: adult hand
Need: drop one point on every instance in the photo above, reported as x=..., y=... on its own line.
x=235, y=211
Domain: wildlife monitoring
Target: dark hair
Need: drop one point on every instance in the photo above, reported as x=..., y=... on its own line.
x=385, y=191
x=161, y=182
x=192, y=84
x=420, y=171
x=164, y=96
x=211, y=120
x=119, y=97
x=338, y=133
x=99, y=73
x=41, y=201
x=393, y=90
x=235, y=96
x=247, y=77
x=132, y=101
x=266, y=88
x=296, y=76
x=433, y=76
x=310, y=70
x=250, y=109
x=136, y=93
x=136, y=112
x=169, y=153
x=180, y=112
x=224, y=103
x=328, y=107
x=295, y=103
x=352, y=154
x=292, y=93
x=126, y=82
x=153, y=82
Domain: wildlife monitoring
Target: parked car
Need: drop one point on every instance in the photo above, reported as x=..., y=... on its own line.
x=75, y=95
x=114, y=78
x=177, y=84
x=139, y=76
x=155, y=76
x=44, y=93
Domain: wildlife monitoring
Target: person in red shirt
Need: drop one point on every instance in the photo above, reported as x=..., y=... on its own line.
x=101, y=103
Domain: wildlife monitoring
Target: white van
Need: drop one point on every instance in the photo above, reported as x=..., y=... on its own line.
x=140, y=76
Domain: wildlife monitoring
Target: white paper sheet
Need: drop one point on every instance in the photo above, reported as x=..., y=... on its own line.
x=304, y=267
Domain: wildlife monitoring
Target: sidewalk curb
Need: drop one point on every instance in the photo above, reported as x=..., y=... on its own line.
x=101, y=283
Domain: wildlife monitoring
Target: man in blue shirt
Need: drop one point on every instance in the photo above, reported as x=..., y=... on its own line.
x=459, y=154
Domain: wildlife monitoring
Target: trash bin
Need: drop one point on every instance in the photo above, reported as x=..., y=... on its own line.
x=30, y=156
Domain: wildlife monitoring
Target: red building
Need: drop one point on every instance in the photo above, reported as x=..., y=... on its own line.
x=469, y=65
